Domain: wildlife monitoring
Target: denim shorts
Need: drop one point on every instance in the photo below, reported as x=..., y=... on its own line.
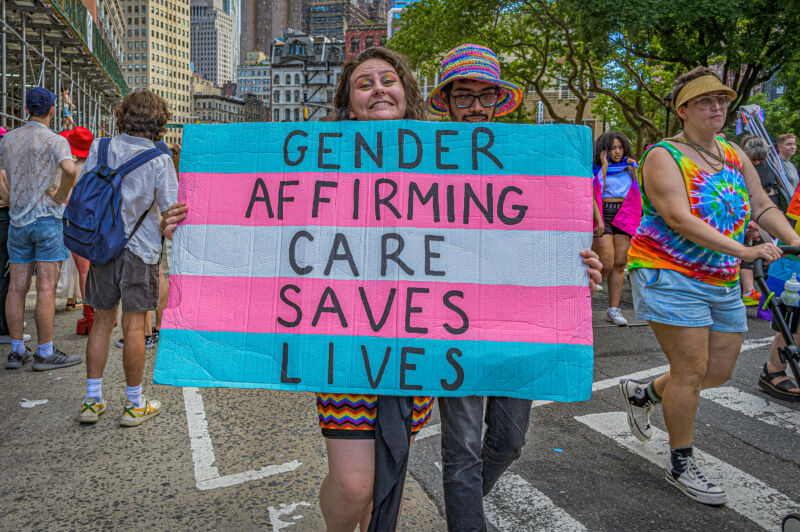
x=41, y=240
x=671, y=298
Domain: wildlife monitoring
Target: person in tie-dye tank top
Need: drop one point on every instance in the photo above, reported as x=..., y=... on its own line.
x=699, y=192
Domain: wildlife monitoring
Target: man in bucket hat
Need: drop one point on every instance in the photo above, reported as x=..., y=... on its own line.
x=471, y=91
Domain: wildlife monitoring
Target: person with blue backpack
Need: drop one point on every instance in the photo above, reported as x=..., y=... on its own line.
x=113, y=219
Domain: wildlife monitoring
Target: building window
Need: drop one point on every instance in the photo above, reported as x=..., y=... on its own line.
x=277, y=115
x=288, y=79
x=297, y=96
x=354, y=44
x=287, y=115
x=297, y=79
x=296, y=115
x=369, y=42
x=277, y=97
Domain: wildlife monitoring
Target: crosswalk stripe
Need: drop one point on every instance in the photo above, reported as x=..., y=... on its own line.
x=755, y=407
x=514, y=504
x=747, y=495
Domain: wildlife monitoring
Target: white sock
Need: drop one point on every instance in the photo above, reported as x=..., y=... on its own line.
x=94, y=389
x=134, y=395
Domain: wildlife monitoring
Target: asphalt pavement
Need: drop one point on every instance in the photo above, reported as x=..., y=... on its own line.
x=226, y=459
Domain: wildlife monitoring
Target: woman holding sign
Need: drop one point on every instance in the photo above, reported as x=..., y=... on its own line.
x=617, y=213
x=698, y=190
x=376, y=85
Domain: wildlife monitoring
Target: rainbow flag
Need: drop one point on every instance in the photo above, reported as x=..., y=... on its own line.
x=398, y=258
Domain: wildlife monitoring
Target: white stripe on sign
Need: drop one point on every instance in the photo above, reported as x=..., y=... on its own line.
x=513, y=504
x=205, y=472
x=755, y=407
x=747, y=495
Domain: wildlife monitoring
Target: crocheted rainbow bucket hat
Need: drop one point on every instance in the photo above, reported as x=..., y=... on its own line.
x=472, y=61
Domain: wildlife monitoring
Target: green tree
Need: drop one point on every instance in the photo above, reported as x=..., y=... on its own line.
x=747, y=40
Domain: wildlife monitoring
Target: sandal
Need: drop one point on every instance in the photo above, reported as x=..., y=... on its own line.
x=74, y=305
x=779, y=390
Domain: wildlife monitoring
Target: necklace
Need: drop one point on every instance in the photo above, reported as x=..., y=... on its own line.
x=718, y=157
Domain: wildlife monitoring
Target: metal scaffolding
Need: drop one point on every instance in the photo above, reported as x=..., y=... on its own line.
x=42, y=44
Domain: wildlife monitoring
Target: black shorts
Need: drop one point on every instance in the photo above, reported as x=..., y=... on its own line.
x=610, y=210
x=125, y=278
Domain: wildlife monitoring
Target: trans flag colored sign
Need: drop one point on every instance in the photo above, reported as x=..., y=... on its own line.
x=397, y=258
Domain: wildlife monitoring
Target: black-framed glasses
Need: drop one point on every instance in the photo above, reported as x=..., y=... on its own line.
x=487, y=99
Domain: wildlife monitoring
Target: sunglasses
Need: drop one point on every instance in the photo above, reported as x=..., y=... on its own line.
x=487, y=99
x=707, y=102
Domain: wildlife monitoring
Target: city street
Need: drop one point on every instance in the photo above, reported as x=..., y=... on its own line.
x=225, y=459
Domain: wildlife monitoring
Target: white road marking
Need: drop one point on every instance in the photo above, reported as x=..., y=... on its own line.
x=747, y=495
x=30, y=403
x=513, y=504
x=755, y=407
x=205, y=472
x=275, y=515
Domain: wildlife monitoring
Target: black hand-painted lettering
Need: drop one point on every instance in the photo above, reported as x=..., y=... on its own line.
x=300, y=149
x=431, y=255
x=520, y=209
x=394, y=255
x=323, y=150
x=285, y=378
x=405, y=366
x=330, y=362
x=456, y=384
x=361, y=144
x=483, y=149
x=376, y=326
x=441, y=149
x=375, y=382
x=455, y=308
x=335, y=308
x=284, y=199
x=356, y=196
x=318, y=197
x=387, y=201
x=340, y=240
x=298, y=312
x=401, y=144
x=259, y=185
x=451, y=203
x=299, y=270
x=411, y=309
x=433, y=194
x=471, y=197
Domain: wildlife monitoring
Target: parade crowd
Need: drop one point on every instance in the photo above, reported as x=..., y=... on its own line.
x=677, y=223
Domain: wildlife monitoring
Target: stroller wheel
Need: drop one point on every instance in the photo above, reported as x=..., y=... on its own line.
x=791, y=523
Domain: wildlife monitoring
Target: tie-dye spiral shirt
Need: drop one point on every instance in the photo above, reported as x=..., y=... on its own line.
x=719, y=199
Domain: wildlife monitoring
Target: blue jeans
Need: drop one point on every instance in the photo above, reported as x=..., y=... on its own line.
x=471, y=466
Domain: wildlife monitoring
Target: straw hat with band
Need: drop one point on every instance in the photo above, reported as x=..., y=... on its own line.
x=702, y=85
x=475, y=62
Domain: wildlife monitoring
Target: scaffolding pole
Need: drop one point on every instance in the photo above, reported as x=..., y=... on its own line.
x=3, y=72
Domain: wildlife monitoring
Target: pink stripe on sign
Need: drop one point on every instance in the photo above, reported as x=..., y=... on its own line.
x=417, y=309
x=550, y=203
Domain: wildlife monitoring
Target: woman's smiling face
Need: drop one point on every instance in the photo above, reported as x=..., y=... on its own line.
x=376, y=92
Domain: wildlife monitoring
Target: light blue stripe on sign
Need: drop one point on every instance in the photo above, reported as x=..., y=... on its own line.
x=554, y=372
x=520, y=149
x=497, y=257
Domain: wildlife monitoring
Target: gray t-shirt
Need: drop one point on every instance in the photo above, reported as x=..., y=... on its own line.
x=154, y=180
x=31, y=156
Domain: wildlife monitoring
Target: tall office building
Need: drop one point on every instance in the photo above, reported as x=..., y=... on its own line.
x=213, y=40
x=332, y=18
x=265, y=20
x=157, y=55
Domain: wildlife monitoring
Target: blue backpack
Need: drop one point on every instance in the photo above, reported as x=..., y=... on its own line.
x=93, y=226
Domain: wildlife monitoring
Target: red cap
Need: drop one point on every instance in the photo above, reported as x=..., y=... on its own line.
x=80, y=140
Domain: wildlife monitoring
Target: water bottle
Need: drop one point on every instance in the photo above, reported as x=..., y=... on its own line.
x=790, y=304
x=791, y=292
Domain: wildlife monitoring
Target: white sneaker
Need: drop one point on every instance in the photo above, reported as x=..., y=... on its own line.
x=638, y=406
x=614, y=315
x=694, y=483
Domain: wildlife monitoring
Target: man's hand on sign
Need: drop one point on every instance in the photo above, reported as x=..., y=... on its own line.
x=172, y=217
x=592, y=260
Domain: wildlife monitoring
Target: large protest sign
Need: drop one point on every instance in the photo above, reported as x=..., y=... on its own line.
x=399, y=257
